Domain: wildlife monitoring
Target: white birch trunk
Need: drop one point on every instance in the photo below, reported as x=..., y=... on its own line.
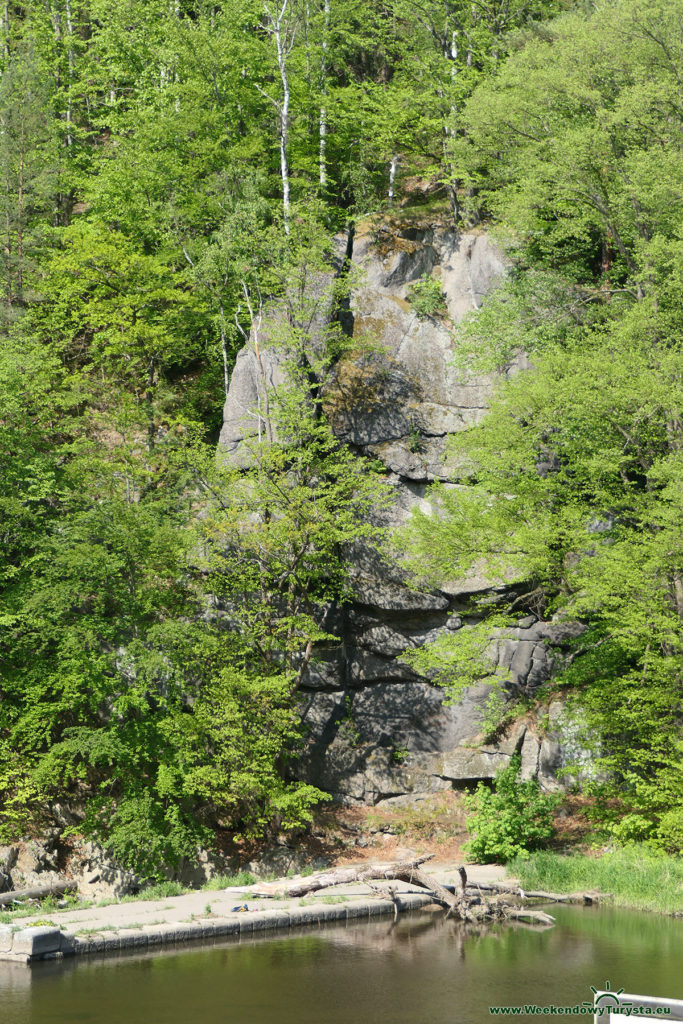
x=284, y=35
x=284, y=114
x=224, y=352
x=70, y=29
x=323, y=144
x=284, y=166
x=176, y=76
x=323, y=89
x=392, y=177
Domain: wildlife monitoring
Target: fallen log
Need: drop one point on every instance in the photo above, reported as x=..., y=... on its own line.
x=463, y=902
x=441, y=894
x=38, y=893
x=341, y=876
x=537, y=894
x=556, y=897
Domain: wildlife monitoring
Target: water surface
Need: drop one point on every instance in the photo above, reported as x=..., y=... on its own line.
x=424, y=970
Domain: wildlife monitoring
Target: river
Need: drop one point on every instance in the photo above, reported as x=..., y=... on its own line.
x=424, y=970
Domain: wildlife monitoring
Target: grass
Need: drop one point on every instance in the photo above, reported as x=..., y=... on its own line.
x=159, y=891
x=48, y=905
x=226, y=881
x=634, y=876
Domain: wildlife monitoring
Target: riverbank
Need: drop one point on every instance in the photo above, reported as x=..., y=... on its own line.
x=203, y=914
x=634, y=877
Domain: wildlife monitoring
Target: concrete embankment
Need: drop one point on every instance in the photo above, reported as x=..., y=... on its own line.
x=199, y=915
x=48, y=943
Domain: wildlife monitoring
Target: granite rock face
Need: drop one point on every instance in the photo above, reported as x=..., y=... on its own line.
x=376, y=730
x=49, y=860
x=53, y=858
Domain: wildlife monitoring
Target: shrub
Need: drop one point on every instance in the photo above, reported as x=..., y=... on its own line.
x=427, y=298
x=509, y=820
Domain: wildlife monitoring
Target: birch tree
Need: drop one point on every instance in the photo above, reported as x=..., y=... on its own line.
x=282, y=25
x=322, y=156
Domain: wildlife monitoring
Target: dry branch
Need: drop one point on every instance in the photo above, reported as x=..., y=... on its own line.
x=537, y=894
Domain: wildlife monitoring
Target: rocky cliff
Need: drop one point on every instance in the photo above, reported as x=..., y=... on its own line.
x=376, y=730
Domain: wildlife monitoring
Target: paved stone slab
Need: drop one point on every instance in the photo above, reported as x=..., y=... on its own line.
x=5, y=940
x=35, y=942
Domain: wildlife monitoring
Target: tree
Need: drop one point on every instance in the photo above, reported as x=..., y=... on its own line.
x=277, y=536
x=119, y=696
x=281, y=26
x=122, y=313
x=27, y=170
x=576, y=474
x=279, y=530
x=563, y=155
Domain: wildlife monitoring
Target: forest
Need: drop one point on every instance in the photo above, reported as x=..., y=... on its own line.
x=170, y=168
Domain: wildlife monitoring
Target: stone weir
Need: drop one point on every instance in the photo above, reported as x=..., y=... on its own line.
x=377, y=731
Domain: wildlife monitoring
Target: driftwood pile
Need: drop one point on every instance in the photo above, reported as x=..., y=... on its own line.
x=490, y=901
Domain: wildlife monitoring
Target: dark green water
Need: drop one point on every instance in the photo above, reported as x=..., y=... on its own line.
x=422, y=971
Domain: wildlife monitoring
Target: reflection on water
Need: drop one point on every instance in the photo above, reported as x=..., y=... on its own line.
x=422, y=970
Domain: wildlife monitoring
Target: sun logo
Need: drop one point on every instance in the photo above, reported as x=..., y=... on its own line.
x=607, y=999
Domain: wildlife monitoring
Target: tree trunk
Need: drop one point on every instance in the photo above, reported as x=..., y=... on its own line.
x=284, y=132
x=224, y=352
x=38, y=893
x=392, y=177
x=70, y=51
x=322, y=156
x=464, y=903
x=20, y=210
x=284, y=40
x=342, y=876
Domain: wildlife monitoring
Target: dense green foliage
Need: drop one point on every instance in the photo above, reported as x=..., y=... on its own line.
x=427, y=298
x=114, y=686
x=576, y=481
x=173, y=171
x=509, y=820
x=633, y=876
